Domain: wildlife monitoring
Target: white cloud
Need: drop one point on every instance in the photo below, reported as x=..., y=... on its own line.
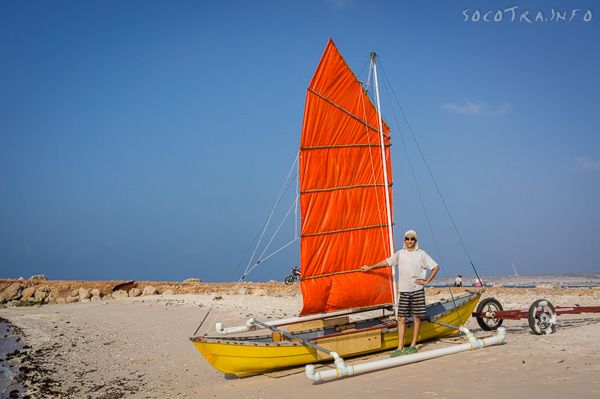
x=469, y=107
x=588, y=163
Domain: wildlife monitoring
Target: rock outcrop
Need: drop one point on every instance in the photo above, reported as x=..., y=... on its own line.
x=149, y=290
x=41, y=294
x=11, y=293
x=83, y=293
x=27, y=293
x=38, y=277
x=120, y=294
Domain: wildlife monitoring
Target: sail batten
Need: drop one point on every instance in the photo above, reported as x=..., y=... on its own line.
x=317, y=190
x=322, y=147
x=344, y=110
x=377, y=226
x=344, y=224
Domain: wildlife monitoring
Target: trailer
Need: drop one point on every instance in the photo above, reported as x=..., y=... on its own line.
x=541, y=315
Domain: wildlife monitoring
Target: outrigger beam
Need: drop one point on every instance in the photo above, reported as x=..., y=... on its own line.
x=290, y=337
x=361, y=368
x=337, y=360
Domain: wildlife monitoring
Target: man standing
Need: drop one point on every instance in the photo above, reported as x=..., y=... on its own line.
x=458, y=281
x=412, y=264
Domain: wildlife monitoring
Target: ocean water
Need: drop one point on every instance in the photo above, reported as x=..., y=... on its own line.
x=515, y=286
x=9, y=369
x=582, y=280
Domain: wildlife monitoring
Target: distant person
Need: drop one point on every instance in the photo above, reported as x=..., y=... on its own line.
x=458, y=281
x=412, y=264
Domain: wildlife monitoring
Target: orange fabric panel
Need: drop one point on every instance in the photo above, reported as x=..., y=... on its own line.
x=353, y=165
x=322, y=254
x=342, y=193
x=343, y=292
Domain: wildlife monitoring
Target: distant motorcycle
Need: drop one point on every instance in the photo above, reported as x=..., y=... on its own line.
x=294, y=277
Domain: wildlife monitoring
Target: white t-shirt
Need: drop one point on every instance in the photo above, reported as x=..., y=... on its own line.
x=412, y=265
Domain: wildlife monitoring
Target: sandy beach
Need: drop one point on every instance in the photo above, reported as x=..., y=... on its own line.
x=138, y=347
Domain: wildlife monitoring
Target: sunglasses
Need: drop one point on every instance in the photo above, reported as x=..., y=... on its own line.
x=410, y=239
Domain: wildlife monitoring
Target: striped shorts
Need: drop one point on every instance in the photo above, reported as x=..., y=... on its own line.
x=412, y=303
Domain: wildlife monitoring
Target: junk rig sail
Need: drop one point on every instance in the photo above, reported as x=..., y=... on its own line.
x=344, y=222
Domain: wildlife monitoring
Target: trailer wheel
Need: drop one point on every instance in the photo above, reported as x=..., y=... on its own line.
x=489, y=305
x=542, y=317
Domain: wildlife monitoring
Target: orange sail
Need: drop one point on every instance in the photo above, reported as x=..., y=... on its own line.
x=342, y=193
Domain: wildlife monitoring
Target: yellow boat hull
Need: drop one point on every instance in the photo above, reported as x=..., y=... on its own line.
x=242, y=357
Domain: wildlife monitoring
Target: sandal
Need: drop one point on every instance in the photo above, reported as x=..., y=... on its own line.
x=398, y=352
x=411, y=350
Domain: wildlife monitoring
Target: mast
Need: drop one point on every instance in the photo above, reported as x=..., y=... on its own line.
x=385, y=178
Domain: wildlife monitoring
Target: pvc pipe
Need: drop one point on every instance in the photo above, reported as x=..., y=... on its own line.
x=361, y=368
x=340, y=368
x=249, y=326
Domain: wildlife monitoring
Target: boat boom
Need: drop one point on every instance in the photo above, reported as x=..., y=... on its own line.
x=250, y=324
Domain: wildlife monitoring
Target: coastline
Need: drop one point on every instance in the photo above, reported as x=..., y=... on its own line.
x=139, y=347
x=11, y=349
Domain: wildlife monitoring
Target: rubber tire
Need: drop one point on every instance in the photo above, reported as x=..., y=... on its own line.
x=289, y=280
x=533, y=322
x=481, y=308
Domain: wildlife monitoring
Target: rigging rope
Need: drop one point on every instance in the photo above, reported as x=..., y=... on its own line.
x=260, y=258
x=417, y=186
x=296, y=224
x=433, y=179
x=249, y=266
x=277, y=201
x=374, y=176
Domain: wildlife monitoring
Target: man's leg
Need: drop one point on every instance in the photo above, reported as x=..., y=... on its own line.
x=419, y=310
x=403, y=312
x=401, y=328
x=416, y=328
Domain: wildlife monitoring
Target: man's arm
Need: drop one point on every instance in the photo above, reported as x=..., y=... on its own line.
x=434, y=271
x=366, y=268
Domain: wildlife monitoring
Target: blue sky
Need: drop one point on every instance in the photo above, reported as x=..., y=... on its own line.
x=149, y=139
